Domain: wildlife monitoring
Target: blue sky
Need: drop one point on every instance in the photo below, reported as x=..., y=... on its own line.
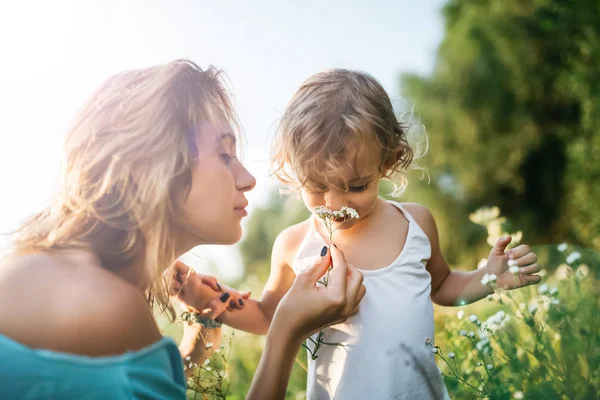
x=54, y=54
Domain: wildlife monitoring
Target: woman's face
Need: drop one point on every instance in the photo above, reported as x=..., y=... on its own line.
x=216, y=202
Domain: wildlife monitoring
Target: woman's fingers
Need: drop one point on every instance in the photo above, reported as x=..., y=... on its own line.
x=215, y=308
x=339, y=273
x=353, y=288
x=319, y=267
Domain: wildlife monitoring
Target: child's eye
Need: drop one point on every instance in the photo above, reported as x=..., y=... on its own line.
x=316, y=190
x=226, y=158
x=356, y=189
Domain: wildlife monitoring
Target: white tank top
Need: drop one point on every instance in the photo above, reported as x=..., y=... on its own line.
x=384, y=354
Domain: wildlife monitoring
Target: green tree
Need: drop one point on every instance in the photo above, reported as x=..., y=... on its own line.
x=512, y=115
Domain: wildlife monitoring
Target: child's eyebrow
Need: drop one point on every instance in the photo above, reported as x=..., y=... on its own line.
x=360, y=179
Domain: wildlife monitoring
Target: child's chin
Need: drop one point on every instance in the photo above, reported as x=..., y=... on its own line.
x=344, y=226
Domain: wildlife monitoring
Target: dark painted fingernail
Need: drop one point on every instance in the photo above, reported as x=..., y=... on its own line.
x=219, y=287
x=224, y=297
x=335, y=246
x=323, y=251
x=241, y=302
x=232, y=304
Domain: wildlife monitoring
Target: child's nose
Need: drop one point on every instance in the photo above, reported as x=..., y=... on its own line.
x=334, y=200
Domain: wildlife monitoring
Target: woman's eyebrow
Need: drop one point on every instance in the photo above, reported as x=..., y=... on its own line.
x=227, y=136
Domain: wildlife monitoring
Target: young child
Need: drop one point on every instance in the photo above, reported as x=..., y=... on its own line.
x=338, y=138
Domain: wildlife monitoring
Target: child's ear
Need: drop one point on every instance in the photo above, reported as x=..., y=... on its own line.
x=392, y=159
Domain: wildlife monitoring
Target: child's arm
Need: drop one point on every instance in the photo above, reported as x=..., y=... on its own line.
x=256, y=315
x=450, y=288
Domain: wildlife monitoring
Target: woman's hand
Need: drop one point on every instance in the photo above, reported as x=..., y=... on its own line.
x=308, y=308
x=304, y=310
x=195, y=291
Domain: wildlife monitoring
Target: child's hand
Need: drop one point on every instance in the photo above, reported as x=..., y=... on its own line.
x=521, y=256
x=196, y=291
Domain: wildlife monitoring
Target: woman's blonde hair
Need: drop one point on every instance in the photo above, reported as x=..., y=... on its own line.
x=336, y=109
x=126, y=170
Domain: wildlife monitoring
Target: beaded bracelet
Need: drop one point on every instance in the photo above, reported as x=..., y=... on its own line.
x=196, y=318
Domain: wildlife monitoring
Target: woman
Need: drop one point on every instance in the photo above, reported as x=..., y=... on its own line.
x=149, y=171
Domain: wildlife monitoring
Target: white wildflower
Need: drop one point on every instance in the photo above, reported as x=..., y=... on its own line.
x=514, y=269
x=208, y=368
x=479, y=364
x=471, y=334
x=218, y=350
x=574, y=256
x=555, y=301
x=489, y=366
x=484, y=215
x=460, y=314
x=340, y=215
x=513, y=263
x=208, y=345
x=553, y=291
x=483, y=343
x=188, y=358
x=473, y=318
x=427, y=340
x=434, y=350
x=206, y=362
x=533, y=308
x=562, y=247
x=463, y=332
x=190, y=365
x=543, y=288
x=582, y=272
x=451, y=355
x=518, y=395
x=563, y=272
x=489, y=279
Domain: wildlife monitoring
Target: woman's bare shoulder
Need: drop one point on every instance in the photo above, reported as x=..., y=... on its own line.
x=71, y=305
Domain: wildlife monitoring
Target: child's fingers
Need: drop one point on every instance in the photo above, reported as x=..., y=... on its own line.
x=519, y=251
x=501, y=244
x=530, y=269
x=527, y=259
x=530, y=279
x=174, y=287
x=181, y=268
x=211, y=281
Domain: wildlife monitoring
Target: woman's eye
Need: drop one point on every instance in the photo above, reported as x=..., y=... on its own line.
x=357, y=189
x=226, y=158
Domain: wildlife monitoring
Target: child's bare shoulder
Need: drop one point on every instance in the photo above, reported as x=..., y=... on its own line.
x=287, y=242
x=423, y=216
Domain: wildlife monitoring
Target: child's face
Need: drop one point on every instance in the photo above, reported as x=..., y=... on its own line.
x=356, y=186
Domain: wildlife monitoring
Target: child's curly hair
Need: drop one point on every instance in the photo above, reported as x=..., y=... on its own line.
x=333, y=111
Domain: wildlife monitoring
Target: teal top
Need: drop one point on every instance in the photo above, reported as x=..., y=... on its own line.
x=154, y=372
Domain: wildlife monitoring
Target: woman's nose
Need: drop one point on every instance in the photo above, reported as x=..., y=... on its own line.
x=245, y=180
